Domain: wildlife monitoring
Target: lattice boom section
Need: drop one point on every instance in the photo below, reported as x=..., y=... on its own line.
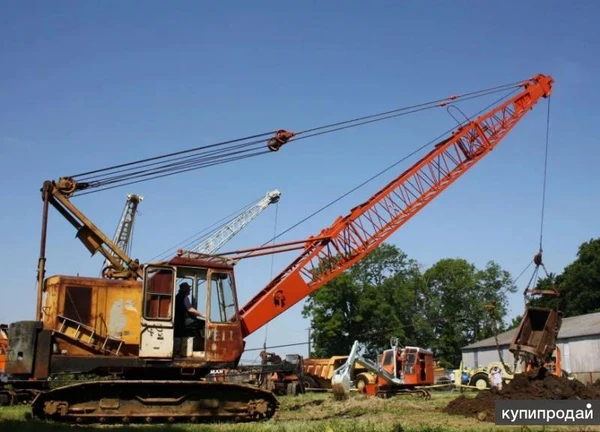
x=351, y=238
x=404, y=197
x=225, y=233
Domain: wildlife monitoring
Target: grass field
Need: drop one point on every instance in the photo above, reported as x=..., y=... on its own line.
x=309, y=413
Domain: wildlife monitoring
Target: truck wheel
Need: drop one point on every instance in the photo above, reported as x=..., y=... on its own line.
x=361, y=382
x=308, y=382
x=480, y=381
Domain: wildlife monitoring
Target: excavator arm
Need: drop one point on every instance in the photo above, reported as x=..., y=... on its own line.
x=351, y=238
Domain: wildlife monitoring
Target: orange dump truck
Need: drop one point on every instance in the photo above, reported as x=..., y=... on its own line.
x=319, y=371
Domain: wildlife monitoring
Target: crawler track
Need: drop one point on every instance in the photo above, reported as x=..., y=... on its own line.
x=155, y=402
x=17, y=396
x=391, y=392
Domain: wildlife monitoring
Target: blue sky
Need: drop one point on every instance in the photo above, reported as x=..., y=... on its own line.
x=91, y=84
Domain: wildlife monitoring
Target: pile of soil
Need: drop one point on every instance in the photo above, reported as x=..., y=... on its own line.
x=523, y=387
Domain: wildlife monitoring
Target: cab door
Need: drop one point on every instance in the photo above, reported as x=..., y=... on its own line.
x=387, y=363
x=157, y=332
x=224, y=341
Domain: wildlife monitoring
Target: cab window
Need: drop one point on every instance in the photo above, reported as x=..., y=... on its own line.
x=222, y=299
x=196, y=278
x=387, y=358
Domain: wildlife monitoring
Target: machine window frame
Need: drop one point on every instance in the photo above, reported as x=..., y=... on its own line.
x=191, y=273
x=235, y=317
x=78, y=304
x=170, y=294
x=388, y=356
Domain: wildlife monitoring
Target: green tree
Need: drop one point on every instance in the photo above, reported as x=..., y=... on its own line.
x=578, y=285
x=516, y=321
x=465, y=305
x=549, y=283
x=387, y=295
x=363, y=304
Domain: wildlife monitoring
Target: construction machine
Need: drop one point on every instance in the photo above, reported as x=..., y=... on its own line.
x=220, y=237
x=318, y=373
x=534, y=341
x=400, y=371
x=478, y=378
x=12, y=392
x=3, y=348
x=123, y=237
x=282, y=376
x=124, y=328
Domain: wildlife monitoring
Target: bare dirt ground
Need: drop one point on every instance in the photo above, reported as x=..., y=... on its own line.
x=523, y=387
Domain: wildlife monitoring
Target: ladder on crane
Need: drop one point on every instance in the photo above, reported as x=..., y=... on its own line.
x=86, y=335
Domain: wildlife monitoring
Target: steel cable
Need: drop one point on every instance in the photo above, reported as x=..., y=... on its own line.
x=383, y=171
x=210, y=155
x=205, y=232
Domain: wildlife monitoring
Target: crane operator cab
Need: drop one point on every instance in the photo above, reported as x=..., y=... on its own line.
x=409, y=365
x=190, y=311
x=189, y=324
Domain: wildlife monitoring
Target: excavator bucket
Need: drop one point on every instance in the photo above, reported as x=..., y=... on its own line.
x=537, y=332
x=341, y=380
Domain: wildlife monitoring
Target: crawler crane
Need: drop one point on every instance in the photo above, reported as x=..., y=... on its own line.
x=124, y=234
x=126, y=325
x=219, y=238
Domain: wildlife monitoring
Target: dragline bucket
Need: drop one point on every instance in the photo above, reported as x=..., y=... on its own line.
x=537, y=333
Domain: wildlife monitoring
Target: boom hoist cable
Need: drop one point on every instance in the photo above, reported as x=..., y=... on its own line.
x=243, y=148
x=272, y=262
x=381, y=172
x=480, y=136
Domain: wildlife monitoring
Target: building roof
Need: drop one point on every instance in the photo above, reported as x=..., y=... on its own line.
x=581, y=325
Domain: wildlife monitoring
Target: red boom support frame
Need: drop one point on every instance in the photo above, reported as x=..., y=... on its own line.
x=351, y=238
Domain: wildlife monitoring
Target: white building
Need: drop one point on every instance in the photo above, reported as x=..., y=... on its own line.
x=578, y=341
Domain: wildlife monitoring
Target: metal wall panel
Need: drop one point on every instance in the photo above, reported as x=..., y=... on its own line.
x=584, y=354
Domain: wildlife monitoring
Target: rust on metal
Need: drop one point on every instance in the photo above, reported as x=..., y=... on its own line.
x=281, y=137
x=537, y=332
x=20, y=357
x=155, y=402
x=43, y=352
x=17, y=396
